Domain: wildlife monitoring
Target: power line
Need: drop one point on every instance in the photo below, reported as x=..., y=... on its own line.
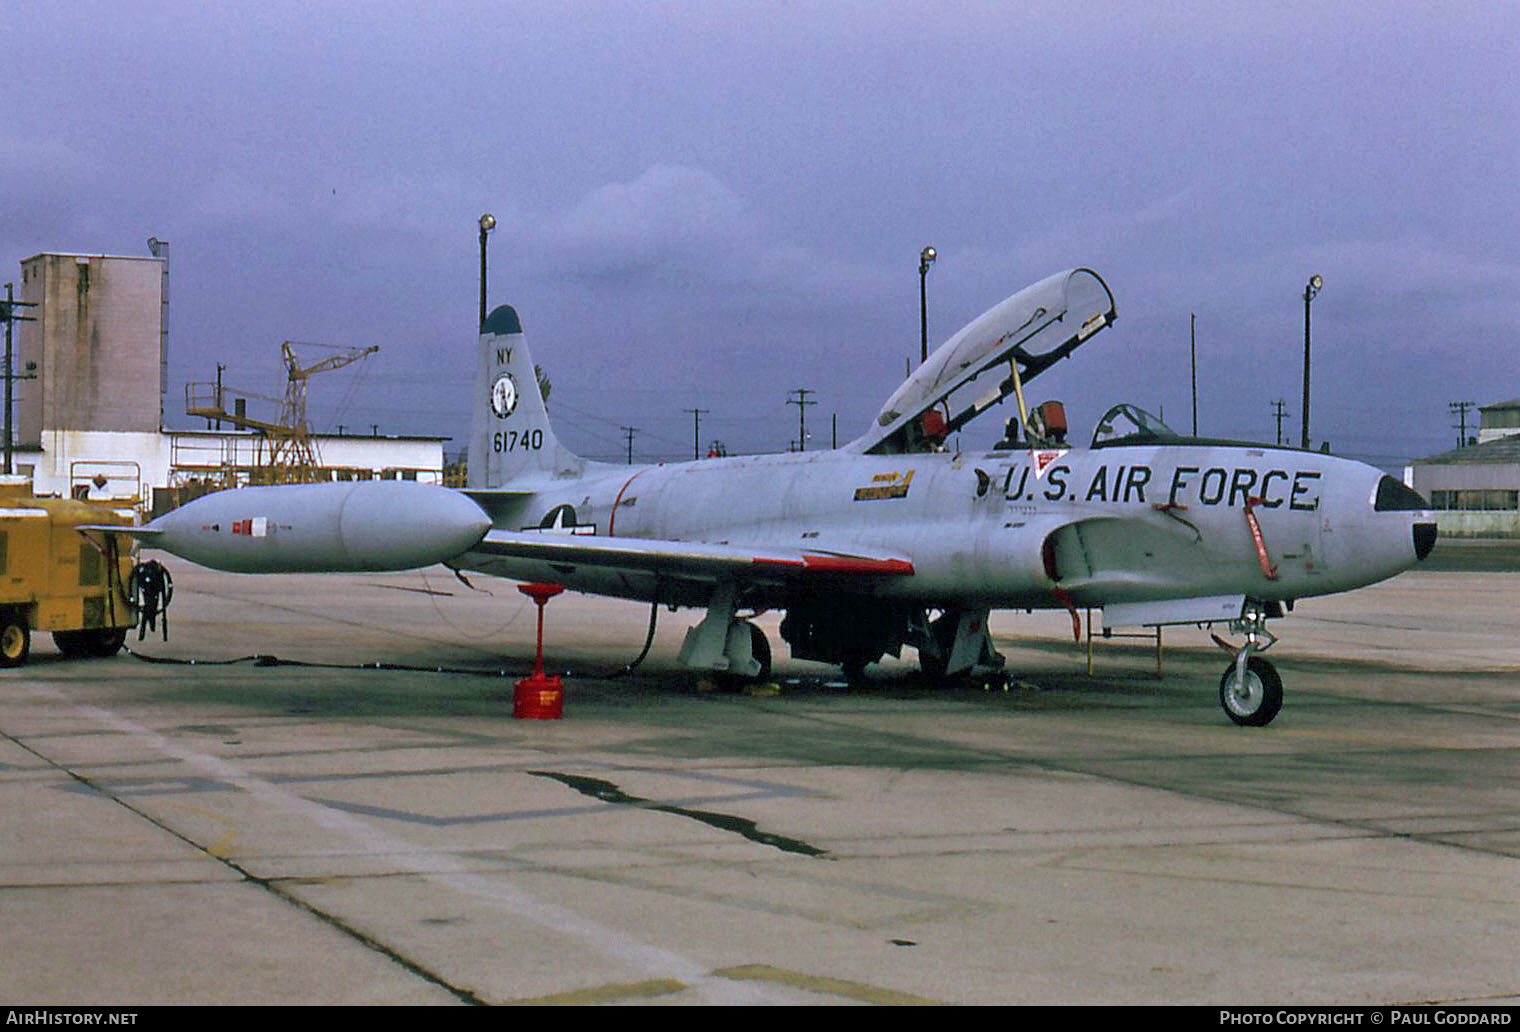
x=630, y=431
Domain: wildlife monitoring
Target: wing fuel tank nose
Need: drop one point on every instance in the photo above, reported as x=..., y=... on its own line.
x=367, y=526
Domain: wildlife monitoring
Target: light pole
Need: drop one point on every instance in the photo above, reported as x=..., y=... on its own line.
x=487, y=223
x=1193, y=355
x=1311, y=289
x=925, y=259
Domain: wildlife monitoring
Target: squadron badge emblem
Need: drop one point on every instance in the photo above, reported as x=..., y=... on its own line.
x=504, y=395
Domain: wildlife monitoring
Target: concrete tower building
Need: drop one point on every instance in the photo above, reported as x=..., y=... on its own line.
x=96, y=406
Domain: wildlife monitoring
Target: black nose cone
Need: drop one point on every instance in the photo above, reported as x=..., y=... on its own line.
x=1424, y=539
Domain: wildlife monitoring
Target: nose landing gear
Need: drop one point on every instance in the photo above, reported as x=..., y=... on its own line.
x=1250, y=690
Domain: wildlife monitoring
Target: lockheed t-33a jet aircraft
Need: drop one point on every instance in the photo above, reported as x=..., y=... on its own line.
x=892, y=540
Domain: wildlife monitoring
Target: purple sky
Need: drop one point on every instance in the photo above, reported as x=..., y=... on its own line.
x=708, y=204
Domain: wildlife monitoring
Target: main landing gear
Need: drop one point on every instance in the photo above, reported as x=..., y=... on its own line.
x=1250, y=690
x=726, y=645
x=958, y=644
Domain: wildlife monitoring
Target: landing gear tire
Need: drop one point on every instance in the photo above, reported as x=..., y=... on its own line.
x=15, y=641
x=1254, y=701
x=854, y=665
x=760, y=649
x=934, y=661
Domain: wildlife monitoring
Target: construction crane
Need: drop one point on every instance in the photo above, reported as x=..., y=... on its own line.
x=291, y=457
x=296, y=455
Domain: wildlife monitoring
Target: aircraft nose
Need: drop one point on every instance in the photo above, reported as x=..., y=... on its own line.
x=1424, y=539
x=1393, y=496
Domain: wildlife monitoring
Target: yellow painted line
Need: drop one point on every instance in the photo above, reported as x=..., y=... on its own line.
x=830, y=986
x=603, y=994
x=222, y=846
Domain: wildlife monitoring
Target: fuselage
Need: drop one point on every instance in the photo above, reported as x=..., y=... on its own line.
x=1001, y=529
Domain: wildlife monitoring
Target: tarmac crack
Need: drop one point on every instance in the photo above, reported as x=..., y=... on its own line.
x=607, y=792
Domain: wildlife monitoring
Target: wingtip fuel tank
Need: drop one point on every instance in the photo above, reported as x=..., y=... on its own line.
x=364, y=526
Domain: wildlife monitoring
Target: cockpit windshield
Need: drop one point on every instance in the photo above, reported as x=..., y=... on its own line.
x=1130, y=424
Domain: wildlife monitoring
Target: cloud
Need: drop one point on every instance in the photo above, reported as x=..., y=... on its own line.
x=677, y=230
x=672, y=221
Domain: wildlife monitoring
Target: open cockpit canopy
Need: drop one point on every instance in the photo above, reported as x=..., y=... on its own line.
x=991, y=358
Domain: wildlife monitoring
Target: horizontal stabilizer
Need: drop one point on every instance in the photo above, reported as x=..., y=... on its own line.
x=484, y=495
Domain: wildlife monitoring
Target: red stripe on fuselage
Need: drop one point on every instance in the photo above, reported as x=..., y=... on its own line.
x=842, y=564
x=612, y=517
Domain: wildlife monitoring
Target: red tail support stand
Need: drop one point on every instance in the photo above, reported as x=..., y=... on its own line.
x=539, y=697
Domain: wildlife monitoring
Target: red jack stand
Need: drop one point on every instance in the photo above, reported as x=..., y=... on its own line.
x=539, y=697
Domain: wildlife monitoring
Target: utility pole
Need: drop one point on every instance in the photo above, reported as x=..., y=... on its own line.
x=1459, y=409
x=8, y=313
x=629, y=431
x=1279, y=412
x=696, y=430
x=802, y=403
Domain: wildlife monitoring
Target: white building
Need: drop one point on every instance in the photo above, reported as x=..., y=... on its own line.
x=1501, y=419
x=1475, y=489
x=92, y=419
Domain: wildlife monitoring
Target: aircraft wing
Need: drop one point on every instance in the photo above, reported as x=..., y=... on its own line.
x=690, y=559
x=1035, y=328
x=141, y=533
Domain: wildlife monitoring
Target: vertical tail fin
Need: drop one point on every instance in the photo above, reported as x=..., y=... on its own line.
x=509, y=434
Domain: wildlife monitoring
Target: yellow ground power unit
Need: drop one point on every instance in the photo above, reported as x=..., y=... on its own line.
x=61, y=572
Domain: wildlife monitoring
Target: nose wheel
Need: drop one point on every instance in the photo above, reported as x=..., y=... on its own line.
x=1251, y=692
